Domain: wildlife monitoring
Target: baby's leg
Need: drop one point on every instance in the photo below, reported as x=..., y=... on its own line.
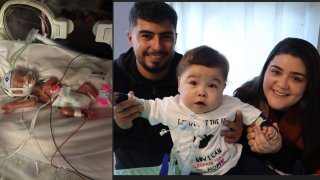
x=67, y=111
x=70, y=112
x=87, y=87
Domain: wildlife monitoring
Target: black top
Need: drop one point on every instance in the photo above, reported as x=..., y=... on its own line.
x=141, y=145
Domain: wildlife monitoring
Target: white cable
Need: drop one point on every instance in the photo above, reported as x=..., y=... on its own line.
x=174, y=151
x=187, y=168
x=35, y=141
x=30, y=131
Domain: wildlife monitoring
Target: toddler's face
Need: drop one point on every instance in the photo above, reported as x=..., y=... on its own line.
x=201, y=88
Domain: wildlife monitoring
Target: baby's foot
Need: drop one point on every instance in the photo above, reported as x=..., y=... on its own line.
x=89, y=114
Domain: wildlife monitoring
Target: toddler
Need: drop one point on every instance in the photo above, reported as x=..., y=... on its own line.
x=195, y=116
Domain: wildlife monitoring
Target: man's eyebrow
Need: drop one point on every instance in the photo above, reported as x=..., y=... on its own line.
x=146, y=31
x=150, y=32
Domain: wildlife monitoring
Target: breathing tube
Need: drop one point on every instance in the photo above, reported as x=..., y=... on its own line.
x=34, y=35
x=201, y=130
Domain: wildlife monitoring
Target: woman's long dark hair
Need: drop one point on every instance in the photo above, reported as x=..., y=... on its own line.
x=309, y=104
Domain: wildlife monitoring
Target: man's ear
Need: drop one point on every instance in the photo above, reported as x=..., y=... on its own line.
x=175, y=40
x=129, y=38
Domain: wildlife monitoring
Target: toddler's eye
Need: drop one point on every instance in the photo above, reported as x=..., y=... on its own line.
x=193, y=83
x=212, y=86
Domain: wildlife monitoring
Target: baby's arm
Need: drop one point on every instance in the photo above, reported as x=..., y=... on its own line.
x=119, y=97
x=152, y=109
x=11, y=106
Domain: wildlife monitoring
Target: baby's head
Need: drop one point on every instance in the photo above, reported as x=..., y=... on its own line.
x=202, y=75
x=18, y=82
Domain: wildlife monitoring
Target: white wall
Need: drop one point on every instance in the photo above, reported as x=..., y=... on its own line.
x=121, y=26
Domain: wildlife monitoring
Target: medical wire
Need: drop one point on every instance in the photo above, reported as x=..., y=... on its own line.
x=35, y=139
x=201, y=130
x=53, y=138
x=15, y=55
x=57, y=148
x=30, y=131
x=39, y=147
x=69, y=66
x=186, y=169
x=60, y=146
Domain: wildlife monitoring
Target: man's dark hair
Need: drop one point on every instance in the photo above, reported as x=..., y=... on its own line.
x=152, y=12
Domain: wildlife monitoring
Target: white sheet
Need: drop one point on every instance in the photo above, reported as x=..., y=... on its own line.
x=90, y=149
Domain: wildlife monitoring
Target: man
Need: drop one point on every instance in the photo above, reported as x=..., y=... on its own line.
x=148, y=69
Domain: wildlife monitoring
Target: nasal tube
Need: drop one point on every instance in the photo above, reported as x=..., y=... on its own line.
x=34, y=35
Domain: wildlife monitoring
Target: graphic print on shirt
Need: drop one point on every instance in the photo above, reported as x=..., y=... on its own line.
x=204, y=141
x=212, y=153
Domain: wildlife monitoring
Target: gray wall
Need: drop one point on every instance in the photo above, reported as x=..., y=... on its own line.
x=319, y=41
x=121, y=26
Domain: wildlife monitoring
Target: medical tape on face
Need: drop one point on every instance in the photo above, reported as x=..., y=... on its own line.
x=7, y=84
x=7, y=80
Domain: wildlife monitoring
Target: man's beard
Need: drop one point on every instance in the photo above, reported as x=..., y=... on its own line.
x=156, y=69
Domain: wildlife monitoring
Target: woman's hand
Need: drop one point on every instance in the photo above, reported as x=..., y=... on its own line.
x=260, y=144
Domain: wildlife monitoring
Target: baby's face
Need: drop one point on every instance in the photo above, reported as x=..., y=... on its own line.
x=50, y=86
x=47, y=89
x=201, y=88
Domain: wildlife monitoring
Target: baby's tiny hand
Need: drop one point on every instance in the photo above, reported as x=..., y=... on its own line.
x=271, y=133
x=8, y=108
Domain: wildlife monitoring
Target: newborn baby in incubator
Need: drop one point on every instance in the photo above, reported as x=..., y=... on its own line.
x=72, y=103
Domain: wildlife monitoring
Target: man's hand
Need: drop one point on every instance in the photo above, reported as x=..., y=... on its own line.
x=125, y=112
x=235, y=129
x=260, y=144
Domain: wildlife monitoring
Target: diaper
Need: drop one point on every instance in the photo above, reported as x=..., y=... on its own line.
x=69, y=98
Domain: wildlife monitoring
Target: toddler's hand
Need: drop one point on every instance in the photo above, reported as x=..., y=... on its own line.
x=270, y=133
x=259, y=143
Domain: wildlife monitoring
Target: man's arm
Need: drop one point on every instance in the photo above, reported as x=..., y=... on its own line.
x=234, y=133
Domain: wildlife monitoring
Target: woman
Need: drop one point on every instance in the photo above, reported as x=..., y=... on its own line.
x=288, y=93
